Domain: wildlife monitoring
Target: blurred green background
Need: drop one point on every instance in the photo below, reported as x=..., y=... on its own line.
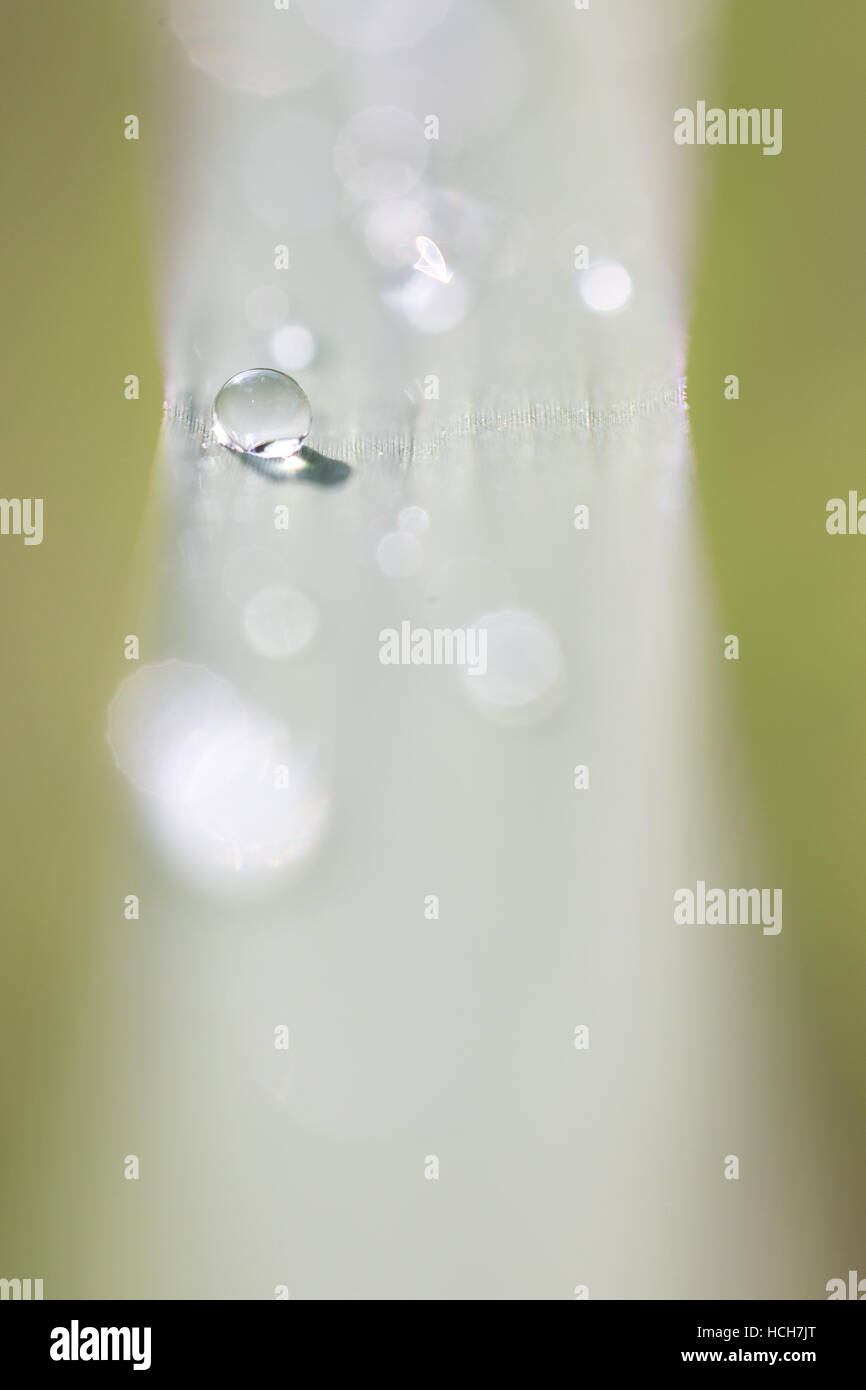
x=781, y=302
x=77, y=321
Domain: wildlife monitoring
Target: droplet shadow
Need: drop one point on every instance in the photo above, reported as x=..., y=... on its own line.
x=317, y=468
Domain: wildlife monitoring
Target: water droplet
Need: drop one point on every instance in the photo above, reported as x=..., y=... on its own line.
x=431, y=261
x=262, y=412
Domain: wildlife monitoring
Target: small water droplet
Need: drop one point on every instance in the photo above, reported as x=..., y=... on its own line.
x=431, y=261
x=262, y=412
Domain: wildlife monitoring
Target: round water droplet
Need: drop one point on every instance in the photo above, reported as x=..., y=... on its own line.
x=262, y=412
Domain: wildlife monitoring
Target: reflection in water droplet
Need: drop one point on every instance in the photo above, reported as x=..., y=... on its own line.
x=280, y=622
x=524, y=671
x=262, y=412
